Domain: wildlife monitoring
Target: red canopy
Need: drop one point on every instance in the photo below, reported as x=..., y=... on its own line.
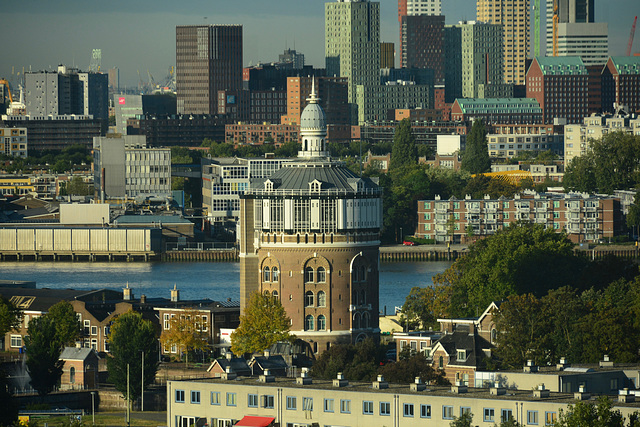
x=249, y=421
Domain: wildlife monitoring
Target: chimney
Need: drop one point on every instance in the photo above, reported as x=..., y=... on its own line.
x=530, y=367
x=562, y=365
x=380, y=383
x=229, y=355
x=304, y=378
x=266, y=377
x=229, y=374
x=340, y=381
x=605, y=362
x=624, y=396
x=418, y=385
x=459, y=387
x=175, y=294
x=143, y=299
x=267, y=353
x=582, y=394
x=127, y=293
x=497, y=390
x=540, y=392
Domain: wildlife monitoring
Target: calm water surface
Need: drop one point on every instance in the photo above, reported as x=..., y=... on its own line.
x=215, y=280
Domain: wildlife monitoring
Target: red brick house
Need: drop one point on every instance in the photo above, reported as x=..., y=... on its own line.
x=80, y=369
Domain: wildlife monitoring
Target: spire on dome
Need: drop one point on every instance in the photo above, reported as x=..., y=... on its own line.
x=313, y=97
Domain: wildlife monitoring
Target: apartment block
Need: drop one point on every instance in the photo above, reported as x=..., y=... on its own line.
x=621, y=83
x=514, y=16
x=497, y=110
x=568, y=11
x=561, y=87
x=258, y=134
x=510, y=145
x=13, y=142
x=585, y=218
x=352, y=43
x=374, y=102
x=333, y=94
x=208, y=59
x=125, y=167
x=422, y=38
x=578, y=137
x=186, y=130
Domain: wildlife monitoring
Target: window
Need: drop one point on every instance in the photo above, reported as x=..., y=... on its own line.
x=489, y=415
x=532, y=418
x=231, y=399
x=252, y=400
x=549, y=418
x=322, y=299
x=464, y=410
x=427, y=205
x=267, y=401
x=275, y=274
x=292, y=403
x=461, y=355
x=447, y=412
x=308, y=323
x=307, y=404
x=367, y=407
x=385, y=408
x=322, y=277
x=425, y=411
x=308, y=275
x=345, y=406
x=16, y=340
x=72, y=375
x=506, y=415
x=266, y=275
x=179, y=396
x=322, y=323
x=408, y=409
x=94, y=330
x=195, y=396
x=215, y=397
x=328, y=405
x=308, y=299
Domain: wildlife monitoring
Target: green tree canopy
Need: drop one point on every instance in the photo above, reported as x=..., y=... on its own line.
x=601, y=414
x=263, y=323
x=464, y=420
x=404, y=152
x=406, y=370
x=67, y=323
x=357, y=362
x=43, y=354
x=10, y=316
x=475, y=158
x=130, y=335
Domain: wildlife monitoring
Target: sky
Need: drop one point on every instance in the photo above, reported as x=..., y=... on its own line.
x=139, y=35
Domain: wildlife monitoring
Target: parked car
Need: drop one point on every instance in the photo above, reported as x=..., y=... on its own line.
x=409, y=243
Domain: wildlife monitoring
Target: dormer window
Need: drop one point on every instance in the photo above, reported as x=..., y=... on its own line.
x=462, y=355
x=315, y=186
x=268, y=185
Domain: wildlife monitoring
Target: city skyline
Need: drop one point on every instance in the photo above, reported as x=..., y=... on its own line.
x=140, y=36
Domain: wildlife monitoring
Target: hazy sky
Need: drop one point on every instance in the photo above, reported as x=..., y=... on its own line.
x=140, y=34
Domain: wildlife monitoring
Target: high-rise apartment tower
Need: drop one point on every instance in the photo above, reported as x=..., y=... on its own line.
x=208, y=60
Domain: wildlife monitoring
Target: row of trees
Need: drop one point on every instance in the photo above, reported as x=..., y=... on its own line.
x=73, y=157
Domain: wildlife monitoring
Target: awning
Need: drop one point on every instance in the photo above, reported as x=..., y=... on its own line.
x=249, y=421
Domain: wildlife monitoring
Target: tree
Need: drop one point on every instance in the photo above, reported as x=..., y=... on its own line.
x=476, y=153
x=187, y=331
x=508, y=263
x=76, y=187
x=406, y=370
x=131, y=335
x=10, y=316
x=263, y=323
x=67, y=324
x=404, y=152
x=426, y=305
x=587, y=414
x=464, y=420
x=43, y=354
x=633, y=217
x=357, y=362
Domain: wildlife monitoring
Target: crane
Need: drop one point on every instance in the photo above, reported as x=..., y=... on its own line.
x=4, y=82
x=633, y=32
x=555, y=28
x=536, y=20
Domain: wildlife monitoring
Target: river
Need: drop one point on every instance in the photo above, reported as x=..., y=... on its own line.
x=214, y=280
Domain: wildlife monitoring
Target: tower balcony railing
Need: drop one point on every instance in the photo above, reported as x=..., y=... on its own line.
x=307, y=192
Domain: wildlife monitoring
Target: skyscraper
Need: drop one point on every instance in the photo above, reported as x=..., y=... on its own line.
x=514, y=17
x=415, y=8
x=208, y=60
x=578, y=33
x=422, y=43
x=352, y=42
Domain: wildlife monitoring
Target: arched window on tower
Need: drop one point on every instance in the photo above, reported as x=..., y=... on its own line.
x=363, y=276
x=275, y=294
x=266, y=275
x=354, y=275
x=275, y=274
x=308, y=323
x=322, y=278
x=365, y=320
x=356, y=321
x=363, y=297
x=322, y=299
x=308, y=299
x=322, y=323
x=308, y=275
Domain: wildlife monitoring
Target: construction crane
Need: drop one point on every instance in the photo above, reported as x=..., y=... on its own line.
x=555, y=28
x=633, y=32
x=4, y=82
x=536, y=28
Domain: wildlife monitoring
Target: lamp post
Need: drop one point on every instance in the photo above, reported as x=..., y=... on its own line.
x=93, y=408
x=128, y=399
x=142, y=386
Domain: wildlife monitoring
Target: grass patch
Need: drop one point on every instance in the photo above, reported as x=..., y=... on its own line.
x=102, y=419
